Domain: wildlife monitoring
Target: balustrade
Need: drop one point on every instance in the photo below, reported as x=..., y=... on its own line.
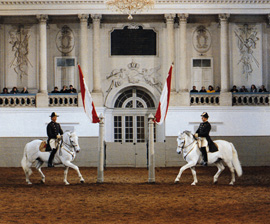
x=206, y=99
x=17, y=100
x=250, y=99
x=63, y=99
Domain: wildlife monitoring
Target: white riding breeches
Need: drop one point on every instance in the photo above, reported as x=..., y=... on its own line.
x=53, y=143
x=202, y=142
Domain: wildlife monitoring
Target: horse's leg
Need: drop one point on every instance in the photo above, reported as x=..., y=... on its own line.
x=183, y=168
x=28, y=172
x=193, y=171
x=38, y=167
x=65, y=176
x=69, y=164
x=230, y=165
x=220, y=167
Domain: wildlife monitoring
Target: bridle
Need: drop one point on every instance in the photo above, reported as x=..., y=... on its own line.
x=183, y=147
x=69, y=148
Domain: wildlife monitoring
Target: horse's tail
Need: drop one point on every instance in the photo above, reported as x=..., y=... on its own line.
x=236, y=162
x=25, y=162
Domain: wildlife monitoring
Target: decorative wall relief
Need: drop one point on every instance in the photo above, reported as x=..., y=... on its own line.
x=132, y=74
x=19, y=39
x=246, y=42
x=201, y=39
x=65, y=40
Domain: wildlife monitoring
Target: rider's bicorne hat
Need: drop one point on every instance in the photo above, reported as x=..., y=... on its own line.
x=205, y=114
x=54, y=115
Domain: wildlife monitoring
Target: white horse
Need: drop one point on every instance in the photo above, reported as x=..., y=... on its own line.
x=188, y=145
x=66, y=153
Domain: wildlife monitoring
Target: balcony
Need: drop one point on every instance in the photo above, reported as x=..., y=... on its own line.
x=250, y=99
x=204, y=99
x=17, y=100
x=63, y=99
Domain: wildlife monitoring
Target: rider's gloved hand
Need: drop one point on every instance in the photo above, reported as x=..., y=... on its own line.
x=58, y=137
x=196, y=135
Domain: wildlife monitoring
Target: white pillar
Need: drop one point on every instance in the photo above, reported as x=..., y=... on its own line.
x=170, y=45
x=43, y=53
x=224, y=52
x=182, y=76
x=84, y=46
x=96, y=53
x=151, y=152
x=100, y=169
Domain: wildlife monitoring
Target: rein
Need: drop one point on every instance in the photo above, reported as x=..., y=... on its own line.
x=183, y=147
x=67, y=148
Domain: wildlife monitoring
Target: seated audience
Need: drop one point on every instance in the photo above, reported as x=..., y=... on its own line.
x=24, y=90
x=203, y=90
x=14, y=90
x=234, y=89
x=194, y=90
x=217, y=89
x=5, y=91
x=210, y=89
x=243, y=89
x=71, y=89
x=253, y=89
x=263, y=89
x=55, y=90
x=64, y=90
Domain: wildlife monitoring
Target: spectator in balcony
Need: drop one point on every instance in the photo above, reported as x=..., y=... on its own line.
x=5, y=91
x=55, y=90
x=14, y=90
x=217, y=89
x=71, y=89
x=234, y=89
x=263, y=89
x=203, y=90
x=253, y=88
x=210, y=89
x=24, y=91
x=243, y=89
x=64, y=90
x=194, y=90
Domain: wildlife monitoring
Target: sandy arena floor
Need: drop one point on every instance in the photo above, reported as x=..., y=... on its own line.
x=126, y=197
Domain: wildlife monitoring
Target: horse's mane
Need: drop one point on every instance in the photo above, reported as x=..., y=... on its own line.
x=188, y=133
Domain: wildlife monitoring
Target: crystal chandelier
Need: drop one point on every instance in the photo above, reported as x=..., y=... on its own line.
x=130, y=6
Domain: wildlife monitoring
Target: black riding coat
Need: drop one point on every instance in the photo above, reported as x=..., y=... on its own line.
x=53, y=129
x=203, y=131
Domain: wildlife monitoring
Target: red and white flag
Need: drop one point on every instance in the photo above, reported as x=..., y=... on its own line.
x=164, y=100
x=88, y=104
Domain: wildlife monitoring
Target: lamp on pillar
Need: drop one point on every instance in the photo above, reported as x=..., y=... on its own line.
x=130, y=6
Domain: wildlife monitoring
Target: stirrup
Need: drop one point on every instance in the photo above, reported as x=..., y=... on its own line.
x=50, y=165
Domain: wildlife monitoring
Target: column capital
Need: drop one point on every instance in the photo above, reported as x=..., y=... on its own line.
x=224, y=17
x=83, y=17
x=169, y=18
x=42, y=18
x=183, y=17
x=96, y=17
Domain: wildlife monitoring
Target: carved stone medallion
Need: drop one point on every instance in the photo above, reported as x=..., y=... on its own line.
x=201, y=39
x=65, y=40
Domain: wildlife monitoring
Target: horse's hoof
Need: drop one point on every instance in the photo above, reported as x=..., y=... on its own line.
x=66, y=183
x=82, y=181
x=42, y=182
x=176, y=181
x=29, y=183
x=215, y=182
x=231, y=183
x=193, y=184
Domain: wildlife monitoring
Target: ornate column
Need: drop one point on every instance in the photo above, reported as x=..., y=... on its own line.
x=96, y=53
x=225, y=96
x=224, y=52
x=170, y=45
x=42, y=97
x=182, y=76
x=84, y=46
x=42, y=53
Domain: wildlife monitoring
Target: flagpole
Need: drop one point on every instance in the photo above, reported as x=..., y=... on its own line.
x=100, y=168
x=151, y=154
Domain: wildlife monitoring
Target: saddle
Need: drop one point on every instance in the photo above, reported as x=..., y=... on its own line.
x=44, y=147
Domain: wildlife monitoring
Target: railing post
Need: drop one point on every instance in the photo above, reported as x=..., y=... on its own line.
x=100, y=169
x=151, y=154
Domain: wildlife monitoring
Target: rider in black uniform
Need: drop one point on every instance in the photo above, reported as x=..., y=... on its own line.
x=203, y=132
x=54, y=132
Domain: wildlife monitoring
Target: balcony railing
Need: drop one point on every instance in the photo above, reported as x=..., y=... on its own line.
x=17, y=100
x=63, y=99
x=250, y=99
x=205, y=99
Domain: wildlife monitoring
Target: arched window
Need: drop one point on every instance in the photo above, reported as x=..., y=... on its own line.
x=132, y=108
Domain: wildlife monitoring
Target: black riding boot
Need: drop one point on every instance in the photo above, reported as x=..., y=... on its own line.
x=204, y=156
x=51, y=158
